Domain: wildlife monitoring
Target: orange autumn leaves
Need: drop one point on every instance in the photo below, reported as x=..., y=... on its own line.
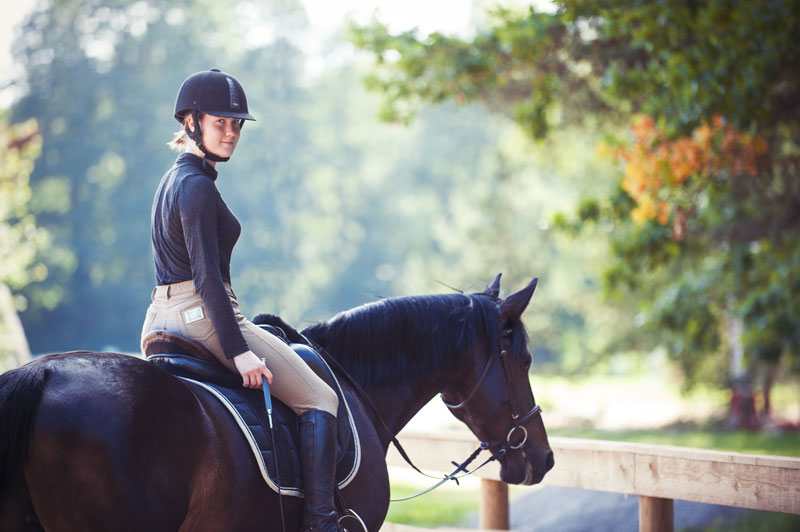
x=659, y=171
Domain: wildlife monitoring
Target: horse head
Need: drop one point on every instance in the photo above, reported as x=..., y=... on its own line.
x=494, y=397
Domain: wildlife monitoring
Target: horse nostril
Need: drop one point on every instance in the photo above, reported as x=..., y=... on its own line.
x=549, y=461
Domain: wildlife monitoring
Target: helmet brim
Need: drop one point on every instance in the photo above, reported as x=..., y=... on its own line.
x=228, y=114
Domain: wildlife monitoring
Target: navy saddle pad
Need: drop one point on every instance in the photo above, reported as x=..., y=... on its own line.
x=249, y=411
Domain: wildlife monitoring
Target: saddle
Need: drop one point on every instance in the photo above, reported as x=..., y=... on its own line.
x=195, y=365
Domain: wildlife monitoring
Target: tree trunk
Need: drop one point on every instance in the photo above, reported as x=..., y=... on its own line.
x=766, y=390
x=8, y=314
x=742, y=411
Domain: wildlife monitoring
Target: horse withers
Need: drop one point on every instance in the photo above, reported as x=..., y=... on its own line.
x=103, y=441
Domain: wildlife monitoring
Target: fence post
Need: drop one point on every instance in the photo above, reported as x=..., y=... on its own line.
x=656, y=514
x=494, y=505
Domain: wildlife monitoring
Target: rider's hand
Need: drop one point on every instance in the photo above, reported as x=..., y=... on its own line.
x=252, y=369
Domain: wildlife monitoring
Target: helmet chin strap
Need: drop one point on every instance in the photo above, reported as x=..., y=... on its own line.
x=197, y=137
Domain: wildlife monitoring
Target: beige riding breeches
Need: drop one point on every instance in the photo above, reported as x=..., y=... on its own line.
x=178, y=308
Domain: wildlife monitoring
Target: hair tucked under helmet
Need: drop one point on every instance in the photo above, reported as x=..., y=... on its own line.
x=211, y=92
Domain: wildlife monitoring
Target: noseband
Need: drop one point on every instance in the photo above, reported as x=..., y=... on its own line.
x=517, y=420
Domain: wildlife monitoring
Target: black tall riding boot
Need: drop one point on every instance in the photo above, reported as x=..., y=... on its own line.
x=318, y=453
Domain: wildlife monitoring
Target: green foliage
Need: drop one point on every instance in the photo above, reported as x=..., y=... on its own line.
x=21, y=240
x=728, y=251
x=686, y=61
x=520, y=66
x=338, y=210
x=101, y=79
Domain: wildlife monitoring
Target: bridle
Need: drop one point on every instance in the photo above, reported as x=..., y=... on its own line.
x=517, y=420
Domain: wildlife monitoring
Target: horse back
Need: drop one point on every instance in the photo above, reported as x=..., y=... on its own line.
x=116, y=445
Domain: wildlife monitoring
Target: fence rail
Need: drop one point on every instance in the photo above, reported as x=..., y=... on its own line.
x=658, y=474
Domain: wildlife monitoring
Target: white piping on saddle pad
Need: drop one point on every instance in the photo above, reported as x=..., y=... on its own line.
x=248, y=435
x=353, y=430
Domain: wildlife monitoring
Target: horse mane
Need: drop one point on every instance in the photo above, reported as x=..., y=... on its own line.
x=400, y=338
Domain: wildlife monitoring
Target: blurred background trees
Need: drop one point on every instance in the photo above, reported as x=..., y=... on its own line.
x=677, y=235
x=21, y=240
x=705, y=216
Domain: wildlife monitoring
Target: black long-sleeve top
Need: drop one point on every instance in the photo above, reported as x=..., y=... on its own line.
x=193, y=235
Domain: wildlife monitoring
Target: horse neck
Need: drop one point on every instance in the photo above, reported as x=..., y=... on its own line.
x=398, y=402
x=389, y=331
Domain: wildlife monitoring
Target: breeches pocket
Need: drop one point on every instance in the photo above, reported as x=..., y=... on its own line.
x=192, y=320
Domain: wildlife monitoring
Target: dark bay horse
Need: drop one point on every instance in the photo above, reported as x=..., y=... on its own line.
x=100, y=442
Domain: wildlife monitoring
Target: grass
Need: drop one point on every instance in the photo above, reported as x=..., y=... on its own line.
x=446, y=506
x=754, y=522
x=707, y=435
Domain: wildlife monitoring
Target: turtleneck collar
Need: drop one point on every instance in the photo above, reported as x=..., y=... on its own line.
x=198, y=162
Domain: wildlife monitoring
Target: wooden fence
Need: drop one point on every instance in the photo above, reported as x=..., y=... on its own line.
x=658, y=474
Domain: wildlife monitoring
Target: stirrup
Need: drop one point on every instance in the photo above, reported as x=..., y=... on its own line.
x=351, y=514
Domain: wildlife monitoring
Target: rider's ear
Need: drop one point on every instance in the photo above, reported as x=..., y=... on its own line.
x=493, y=290
x=514, y=305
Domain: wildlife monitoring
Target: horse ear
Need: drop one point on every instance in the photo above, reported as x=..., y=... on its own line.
x=493, y=290
x=514, y=305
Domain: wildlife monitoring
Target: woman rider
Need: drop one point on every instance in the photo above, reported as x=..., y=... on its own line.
x=193, y=235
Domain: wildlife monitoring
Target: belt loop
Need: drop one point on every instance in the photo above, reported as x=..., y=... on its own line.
x=168, y=287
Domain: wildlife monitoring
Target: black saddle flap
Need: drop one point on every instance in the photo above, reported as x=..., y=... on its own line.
x=250, y=406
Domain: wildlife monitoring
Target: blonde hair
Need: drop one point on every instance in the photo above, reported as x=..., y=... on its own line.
x=181, y=139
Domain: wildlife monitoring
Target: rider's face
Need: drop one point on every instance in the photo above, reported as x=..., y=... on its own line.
x=220, y=134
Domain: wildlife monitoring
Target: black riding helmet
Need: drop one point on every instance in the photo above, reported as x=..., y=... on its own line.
x=211, y=92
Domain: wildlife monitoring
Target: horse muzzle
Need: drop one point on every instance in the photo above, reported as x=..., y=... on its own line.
x=526, y=465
